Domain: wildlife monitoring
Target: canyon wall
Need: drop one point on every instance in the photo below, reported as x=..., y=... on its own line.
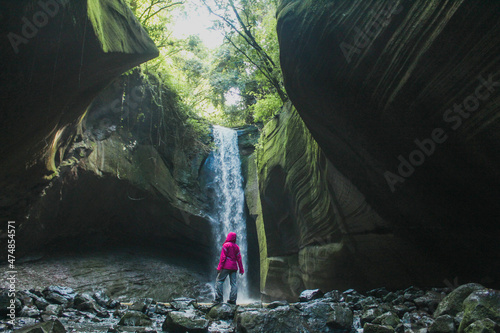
x=403, y=99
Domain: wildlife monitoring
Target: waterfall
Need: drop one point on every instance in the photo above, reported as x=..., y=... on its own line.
x=229, y=200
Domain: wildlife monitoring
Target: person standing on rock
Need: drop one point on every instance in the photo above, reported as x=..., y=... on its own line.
x=230, y=261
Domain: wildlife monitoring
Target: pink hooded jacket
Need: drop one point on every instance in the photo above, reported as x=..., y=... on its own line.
x=230, y=257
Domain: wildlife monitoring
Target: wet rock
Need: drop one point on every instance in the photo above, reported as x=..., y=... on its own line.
x=283, y=319
x=59, y=295
x=53, y=310
x=48, y=317
x=160, y=309
x=309, y=295
x=29, y=311
x=251, y=321
x=82, y=298
x=372, y=328
x=483, y=326
x=52, y=326
x=316, y=315
x=368, y=302
x=222, y=312
x=401, y=310
x=340, y=317
x=334, y=296
x=428, y=302
x=104, y=300
x=184, y=303
x=390, y=297
x=276, y=304
x=417, y=320
x=481, y=304
x=351, y=296
x=453, y=302
x=443, y=324
x=41, y=303
x=369, y=315
x=86, y=303
x=140, y=306
x=25, y=297
x=185, y=321
x=135, y=318
x=387, y=319
x=411, y=293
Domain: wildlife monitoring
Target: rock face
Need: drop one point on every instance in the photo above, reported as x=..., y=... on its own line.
x=315, y=229
x=403, y=99
x=56, y=57
x=122, y=178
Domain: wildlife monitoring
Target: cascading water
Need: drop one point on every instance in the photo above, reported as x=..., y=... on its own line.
x=229, y=200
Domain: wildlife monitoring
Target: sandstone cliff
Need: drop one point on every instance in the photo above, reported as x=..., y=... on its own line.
x=403, y=99
x=315, y=228
x=56, y=57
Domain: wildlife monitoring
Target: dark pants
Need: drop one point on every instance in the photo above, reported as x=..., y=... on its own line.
x=219, y=285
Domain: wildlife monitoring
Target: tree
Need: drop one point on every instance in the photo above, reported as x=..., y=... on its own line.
x=240, y=24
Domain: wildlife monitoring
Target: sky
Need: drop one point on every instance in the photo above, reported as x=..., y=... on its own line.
x=196, y=20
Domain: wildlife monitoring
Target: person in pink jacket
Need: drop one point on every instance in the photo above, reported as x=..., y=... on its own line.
x=230, y=261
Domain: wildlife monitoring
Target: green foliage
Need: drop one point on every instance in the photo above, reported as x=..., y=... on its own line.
x=266, y=107
x=239, y=82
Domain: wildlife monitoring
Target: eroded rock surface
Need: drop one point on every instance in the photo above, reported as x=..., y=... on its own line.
x=382, y=82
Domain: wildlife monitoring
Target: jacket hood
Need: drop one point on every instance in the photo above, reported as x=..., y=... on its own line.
x=231, y=237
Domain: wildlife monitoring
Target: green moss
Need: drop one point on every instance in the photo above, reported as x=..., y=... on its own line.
x=117, y=29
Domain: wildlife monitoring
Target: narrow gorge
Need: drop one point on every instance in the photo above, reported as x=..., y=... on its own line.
x=353, y=146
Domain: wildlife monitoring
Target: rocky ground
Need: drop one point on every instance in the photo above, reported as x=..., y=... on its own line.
x=470, y=308
x=126, y=275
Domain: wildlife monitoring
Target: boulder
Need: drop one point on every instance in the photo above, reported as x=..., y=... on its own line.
x=417, y=321
x=189, y=321
x=387, y=319
x=443, y=324
x=29, y=311
x=340, y=317
x=53, y=310
x=334, y=296
x=104, y=300
x=372, y=95
x=481, y=304
x=222, y=312
x=316, y=314
x=59, y=295
x=309, y=295
x=135, y=318
x=369, y=315
x=453, y=302
x=428, y=302
x=184, y=303
x=483, y=326
x=251, y=321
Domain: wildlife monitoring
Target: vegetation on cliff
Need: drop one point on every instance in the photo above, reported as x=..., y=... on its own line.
x=236, y=79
